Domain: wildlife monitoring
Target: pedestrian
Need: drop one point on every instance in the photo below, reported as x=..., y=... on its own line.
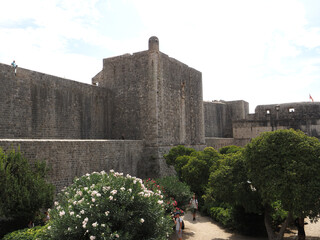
x=178, y=222
x=194, y=206
x=14, y=65
x=30, y=224
x=47, y=217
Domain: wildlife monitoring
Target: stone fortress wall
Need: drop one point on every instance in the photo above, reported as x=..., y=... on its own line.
x=36, y=105
x=138, y=107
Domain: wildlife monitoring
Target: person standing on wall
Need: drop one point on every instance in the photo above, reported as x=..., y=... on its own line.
x=194, y=206
x=14, y=65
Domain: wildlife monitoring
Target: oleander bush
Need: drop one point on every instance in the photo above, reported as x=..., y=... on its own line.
x=109, y=206
x=176, y=189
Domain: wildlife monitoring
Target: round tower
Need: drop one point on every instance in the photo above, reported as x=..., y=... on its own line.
x=153, y=43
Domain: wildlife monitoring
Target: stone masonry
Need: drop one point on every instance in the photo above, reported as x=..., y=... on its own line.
x=138, y=107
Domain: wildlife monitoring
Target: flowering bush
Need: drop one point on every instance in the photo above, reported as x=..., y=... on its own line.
x=171, y=188
x=109, y=206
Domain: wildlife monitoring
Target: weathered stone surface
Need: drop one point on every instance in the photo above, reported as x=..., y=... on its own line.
x=73, y=158
x=36, y=105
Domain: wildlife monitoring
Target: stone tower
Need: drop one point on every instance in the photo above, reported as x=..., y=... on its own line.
x=156, y=99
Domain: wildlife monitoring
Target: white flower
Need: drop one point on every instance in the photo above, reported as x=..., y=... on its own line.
x=111, y=198
x=93, y=193
x=84, y=225
x=130, y=190
x=93, y=199
x=160, y=201
x=142, y=220
x=62, y=213
x=92, y=237
x=87, y=174
x=78, y=216
x=117, y=235
x=82, y=211
x=107, y=213
x=86, y=188
x=122, y=189
x=103, y=172
x=132, y=197
x=134, y=181
x=94, y=224
x=113, y=192
x=71, y=213
x=79, y=193
x=69, y=228
x=111, y=170
x=103, y=225
x=56, y=203
x=49, y=227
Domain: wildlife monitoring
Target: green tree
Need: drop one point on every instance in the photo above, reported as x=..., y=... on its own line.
x=176, y=152
x=230, y=197
x=192, y=166
x=23, y=188
x=284, y=166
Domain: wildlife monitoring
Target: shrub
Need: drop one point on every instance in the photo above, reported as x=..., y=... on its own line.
x=222, y=215
x=109, y=206
x=23, y=189
x=230, y=149
x=28, y=234
x=178, y=190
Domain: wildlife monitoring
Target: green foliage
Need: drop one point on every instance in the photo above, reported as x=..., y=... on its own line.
x=109, y=206
x=229, y=183
x=222, y=215
x=173, y=188
x=284, y=166
x=193, y=167
x=23, y=188
x=230, y=149
x=34, y=233
x=175, y=152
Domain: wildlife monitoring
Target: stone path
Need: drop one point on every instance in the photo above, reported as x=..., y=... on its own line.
x=206, y=229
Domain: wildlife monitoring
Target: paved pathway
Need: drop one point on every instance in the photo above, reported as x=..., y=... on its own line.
x=206, y=229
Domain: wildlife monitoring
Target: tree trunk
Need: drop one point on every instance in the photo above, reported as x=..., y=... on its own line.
x=268, y=223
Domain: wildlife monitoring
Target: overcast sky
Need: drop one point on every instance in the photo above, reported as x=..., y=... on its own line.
x=260, y=51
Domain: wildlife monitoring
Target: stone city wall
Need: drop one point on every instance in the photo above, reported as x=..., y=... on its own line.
x=37, y=105
x=68, y=159
x=218, y=143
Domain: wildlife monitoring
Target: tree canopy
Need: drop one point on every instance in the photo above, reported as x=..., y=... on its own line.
x=284, y=166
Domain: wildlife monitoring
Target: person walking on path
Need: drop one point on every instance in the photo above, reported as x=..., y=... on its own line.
x=14, y=65
x=194, y=206
x=178, y=222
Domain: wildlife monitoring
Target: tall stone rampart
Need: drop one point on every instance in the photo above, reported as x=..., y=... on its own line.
x=68, y=159
x=37, y=105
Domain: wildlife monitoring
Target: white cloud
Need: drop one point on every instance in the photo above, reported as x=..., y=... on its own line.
x=258, y=51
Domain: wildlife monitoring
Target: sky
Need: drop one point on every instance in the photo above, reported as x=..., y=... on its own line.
x=259, y=51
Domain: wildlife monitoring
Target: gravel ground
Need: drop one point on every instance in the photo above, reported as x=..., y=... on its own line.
x=206, y=229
